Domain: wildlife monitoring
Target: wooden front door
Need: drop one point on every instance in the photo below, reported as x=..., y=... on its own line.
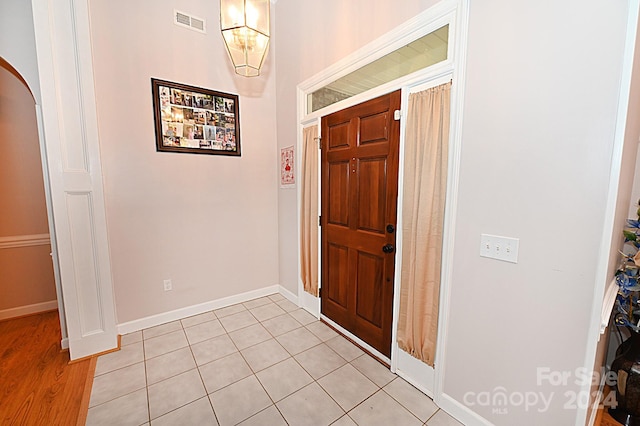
x=358, y=216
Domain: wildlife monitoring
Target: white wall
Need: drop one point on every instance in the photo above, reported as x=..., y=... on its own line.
x=539, y=120
x=538, y=131
x=207, y=222
x=17, y=41
x=627, y=195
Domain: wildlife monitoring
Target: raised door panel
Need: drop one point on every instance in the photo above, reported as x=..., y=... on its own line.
x=339, y=136
x=338, y=183
x=370, y=288
x=372, y=195
x=338, y=275
x=373, y=129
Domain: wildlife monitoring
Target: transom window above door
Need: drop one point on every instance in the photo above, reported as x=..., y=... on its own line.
x=417, y=55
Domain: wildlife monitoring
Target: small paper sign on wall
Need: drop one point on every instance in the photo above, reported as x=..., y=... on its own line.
x=287, y=175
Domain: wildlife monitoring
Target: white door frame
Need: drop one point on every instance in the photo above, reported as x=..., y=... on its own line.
x=455, y=13
x=64, y=342
x=68, y=127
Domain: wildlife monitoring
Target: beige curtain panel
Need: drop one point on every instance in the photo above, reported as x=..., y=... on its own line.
x=309, y=211
x=425, y=183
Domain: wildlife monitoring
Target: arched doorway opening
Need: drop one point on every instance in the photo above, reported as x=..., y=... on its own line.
x=27, y=255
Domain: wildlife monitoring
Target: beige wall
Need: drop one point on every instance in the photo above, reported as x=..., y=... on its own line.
x=209, y=223
x=26, y=273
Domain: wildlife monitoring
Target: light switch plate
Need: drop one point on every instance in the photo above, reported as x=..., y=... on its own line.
x=501, y=248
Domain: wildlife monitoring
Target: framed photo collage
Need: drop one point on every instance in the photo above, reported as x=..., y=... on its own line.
x=195, y=120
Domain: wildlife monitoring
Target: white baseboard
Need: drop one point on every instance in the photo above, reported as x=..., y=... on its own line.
x=152, y=321
x=416, y=372
x=288, y=295
x=310, y=303
x=65, y=343
x=21, y=311
x=460, y=412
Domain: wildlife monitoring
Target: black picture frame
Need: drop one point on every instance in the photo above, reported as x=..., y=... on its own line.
x=195, y=120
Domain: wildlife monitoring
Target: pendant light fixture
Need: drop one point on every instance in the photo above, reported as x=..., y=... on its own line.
x=245, y=29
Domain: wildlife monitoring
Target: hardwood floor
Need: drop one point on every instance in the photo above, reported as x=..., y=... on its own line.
x=604, y=419
x=37, y=384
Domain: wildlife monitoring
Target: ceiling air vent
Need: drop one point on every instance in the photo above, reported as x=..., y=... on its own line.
x=189, y=21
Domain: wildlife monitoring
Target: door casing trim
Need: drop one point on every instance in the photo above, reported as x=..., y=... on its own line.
x=455, y=13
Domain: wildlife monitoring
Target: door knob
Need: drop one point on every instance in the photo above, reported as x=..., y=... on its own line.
x=391, y=229
x=388, y=248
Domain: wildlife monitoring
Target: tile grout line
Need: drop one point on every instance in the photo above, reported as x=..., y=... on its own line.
x=146, y=380
x=109, y=372
x=314, y=380
x=432, y=416
x=239, y=351
x=206, y=393
x=255, y=373
x=358, y=404
x=274, y=403
x=170, y=377
x=268, y=301
x=250, y=368
x=183, y=328
x=401, y=404
x=291, y=356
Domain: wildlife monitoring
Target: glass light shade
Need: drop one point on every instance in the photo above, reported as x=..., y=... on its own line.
x=245, y=29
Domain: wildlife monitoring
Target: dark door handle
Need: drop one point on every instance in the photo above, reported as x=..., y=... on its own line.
x=391, y=229
x=388, y=248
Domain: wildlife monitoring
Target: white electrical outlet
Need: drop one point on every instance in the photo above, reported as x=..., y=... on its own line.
x=167, y=285
x=501, y=248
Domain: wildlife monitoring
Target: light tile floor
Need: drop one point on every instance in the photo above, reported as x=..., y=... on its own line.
x=262, y=362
